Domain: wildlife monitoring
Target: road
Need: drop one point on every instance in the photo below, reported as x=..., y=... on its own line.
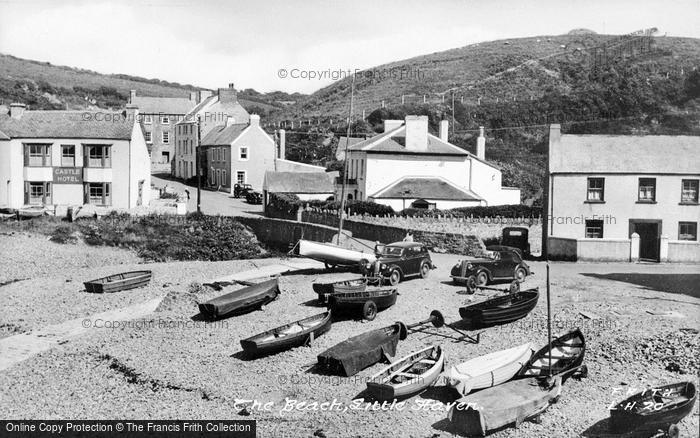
x=212, y=203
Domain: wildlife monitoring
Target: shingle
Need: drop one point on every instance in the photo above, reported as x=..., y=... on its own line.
x=69, y=124
x=425, y=188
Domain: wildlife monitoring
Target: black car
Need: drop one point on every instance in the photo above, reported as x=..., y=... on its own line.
x=254, y=197
x=501, y=263
x=517, y=237
x=403, y=259
x=241, y=190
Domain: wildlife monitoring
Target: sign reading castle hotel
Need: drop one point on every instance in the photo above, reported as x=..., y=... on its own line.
x=50, y=158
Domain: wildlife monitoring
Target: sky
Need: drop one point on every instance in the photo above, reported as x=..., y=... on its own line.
x=249, y=43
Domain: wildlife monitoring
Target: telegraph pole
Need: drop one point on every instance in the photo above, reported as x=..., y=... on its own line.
x=345, y=165
x=197, y=164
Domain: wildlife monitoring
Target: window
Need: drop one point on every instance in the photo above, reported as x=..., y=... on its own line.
x=223, y=178
x=223, y=154
x=97, y=156
x=67, y=155
x=165, y=136
x=596, y=188
x=147, y=119
x=165, y=120
x=687, y=231
x=243, y=153
x=165, y=157
x=147, y=135
x=98, y=193
x=594, y=229
x=218, y=177
x=37, y=155
x=37, y=193
x=689, y=191
x=240, y=177
x=647, y=189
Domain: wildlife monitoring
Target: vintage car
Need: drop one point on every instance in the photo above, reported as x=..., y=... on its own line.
x=253, y=197
x=516, y=237
x=501, y=263
x=400, y=260
x=240, y=190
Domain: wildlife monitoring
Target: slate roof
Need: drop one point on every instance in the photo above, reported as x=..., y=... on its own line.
x=212, y=109
x=657, y=154
x=163, y=105
x=340, y=150
x=299, y=182
x=68, y=124
x=223, y=135
x=394, y=142
x=425, y=188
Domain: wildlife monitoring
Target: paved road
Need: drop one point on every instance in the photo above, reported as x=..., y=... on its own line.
x=213, y=203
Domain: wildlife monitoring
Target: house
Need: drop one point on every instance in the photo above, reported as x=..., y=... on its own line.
x=622, y=197
x=344, y=142
x=212, y=111
x=158, y=116
x=407, y=166
x=307, y=186
x=72, y=158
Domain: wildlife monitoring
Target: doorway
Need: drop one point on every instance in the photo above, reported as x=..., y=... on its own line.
x=139, y=200
x=649, y=231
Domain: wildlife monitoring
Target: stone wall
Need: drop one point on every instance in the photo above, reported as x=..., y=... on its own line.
x=283, y=234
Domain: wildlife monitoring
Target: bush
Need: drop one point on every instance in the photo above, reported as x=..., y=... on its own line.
x=505, y=211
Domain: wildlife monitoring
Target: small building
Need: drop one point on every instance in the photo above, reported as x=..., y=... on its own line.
x=407, y=166
x=212, y=111
x=72, y=158
x=622, y=197
x=158, y=116
x=307, y=186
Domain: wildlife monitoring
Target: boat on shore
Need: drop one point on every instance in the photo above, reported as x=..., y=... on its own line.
x=324, y=290
x=333, y=255
x=489, y=370
x=409, y=375
x=369, y=301
x=288, y=336
x=568, y=352
x=118, y=282
x=502, y=309
x=241, y=301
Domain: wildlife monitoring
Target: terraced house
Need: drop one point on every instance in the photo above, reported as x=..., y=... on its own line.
x=623, y=197
x=72, y=158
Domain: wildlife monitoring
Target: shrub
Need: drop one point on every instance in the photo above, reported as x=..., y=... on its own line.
x=505, y=211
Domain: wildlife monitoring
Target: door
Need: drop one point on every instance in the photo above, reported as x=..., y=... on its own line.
x=649, y=232
x=139, y=200
x=502, y=266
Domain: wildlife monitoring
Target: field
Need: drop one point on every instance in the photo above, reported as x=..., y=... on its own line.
x=173, y=365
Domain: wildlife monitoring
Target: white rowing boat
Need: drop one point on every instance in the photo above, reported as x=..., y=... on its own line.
x=489, y=370
x=409, y=375
x=333, y=254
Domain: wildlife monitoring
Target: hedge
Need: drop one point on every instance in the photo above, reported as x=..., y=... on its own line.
x=506, y=211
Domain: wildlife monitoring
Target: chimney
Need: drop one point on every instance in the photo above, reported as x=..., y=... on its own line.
x=203, y=94
x=17, y=110
x=444, y=129
x=281, y=152
x=390, y=125
x=132, y=96
x=228, y=95
x=131, y=112
x=417, y=133
x=193, y=96
x=481, y=144
x=254, y=120
x=554, y=149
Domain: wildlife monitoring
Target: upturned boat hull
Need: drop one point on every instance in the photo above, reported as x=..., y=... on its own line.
x=119, y=282
x=240, y=301
x=332, y=254
x=409, y=375
x=501, y=310
x=287, y=336
x=357, y=353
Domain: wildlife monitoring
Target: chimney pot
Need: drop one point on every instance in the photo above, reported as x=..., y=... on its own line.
x=17, y=110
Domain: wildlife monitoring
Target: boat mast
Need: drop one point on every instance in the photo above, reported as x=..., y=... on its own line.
x=345, y=165
x=549, y=324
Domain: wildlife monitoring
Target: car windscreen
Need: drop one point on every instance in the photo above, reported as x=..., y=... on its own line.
x=391, y=251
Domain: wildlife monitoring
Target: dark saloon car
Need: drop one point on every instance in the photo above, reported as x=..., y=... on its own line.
x=403, y=259
x=254, y=197
x=516, y=237
x=501, y=263
x=241, y=190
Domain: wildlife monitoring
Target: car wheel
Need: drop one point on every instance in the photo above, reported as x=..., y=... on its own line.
x=482, y=278
x=520, y=275
x=424, y=269
x=369, y=310
x=394, y=277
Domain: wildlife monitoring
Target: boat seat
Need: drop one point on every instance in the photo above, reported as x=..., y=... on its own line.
x=410, y=375
x=427, y=361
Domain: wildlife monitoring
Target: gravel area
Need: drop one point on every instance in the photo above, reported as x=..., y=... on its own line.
x=173, y=366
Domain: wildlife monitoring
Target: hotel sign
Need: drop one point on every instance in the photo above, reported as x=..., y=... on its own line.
x=67, y=175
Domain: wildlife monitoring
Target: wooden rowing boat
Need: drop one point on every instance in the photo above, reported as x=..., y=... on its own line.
x=653, y=409
x=568, y=352
x=357, y=353
x=508, y=404
x=324, y=290
x=409, y=375
x=488, y=370
x=332, y=254
x=288, y=336
x=502, y=309
x=241, y=300
x=369, y=301
x=118, y=282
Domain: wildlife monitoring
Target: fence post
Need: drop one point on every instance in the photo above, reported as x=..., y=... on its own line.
x=634, y=247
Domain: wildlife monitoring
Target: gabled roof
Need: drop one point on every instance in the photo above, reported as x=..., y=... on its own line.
x=393, y=142
x=625, y=154
x=69, y=124
x=163, y=105
x=212, y=109
x=340, y=150
x=417, y=187
x=299, y=182
x=223, y=135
